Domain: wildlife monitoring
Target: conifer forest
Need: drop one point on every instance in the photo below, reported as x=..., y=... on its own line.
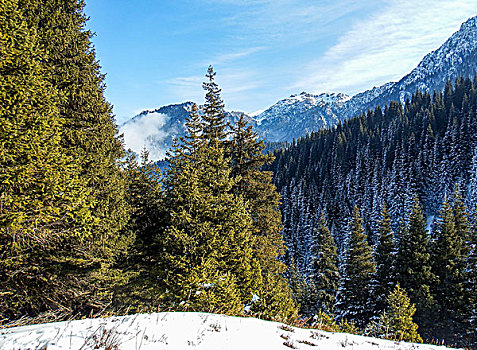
x=369, y=226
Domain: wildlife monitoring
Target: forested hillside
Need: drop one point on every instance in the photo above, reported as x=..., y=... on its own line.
x=411, y=166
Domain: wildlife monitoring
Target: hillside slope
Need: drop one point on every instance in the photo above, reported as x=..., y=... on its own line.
x=178, y=331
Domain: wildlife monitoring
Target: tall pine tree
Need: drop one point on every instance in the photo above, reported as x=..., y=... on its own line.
x=358, y=268
x=208, y=261
x=448, y=256
x=384, y=279
x=324, y=270
x=255, y=186
x=89, y=138
x=413, y=265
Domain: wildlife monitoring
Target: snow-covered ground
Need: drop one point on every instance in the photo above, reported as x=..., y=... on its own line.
x=180, y=331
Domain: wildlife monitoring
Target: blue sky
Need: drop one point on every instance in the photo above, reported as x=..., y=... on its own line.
x=156, y=52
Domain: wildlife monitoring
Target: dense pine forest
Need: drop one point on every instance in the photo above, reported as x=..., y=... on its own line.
x=396, y=188
x=374, y=232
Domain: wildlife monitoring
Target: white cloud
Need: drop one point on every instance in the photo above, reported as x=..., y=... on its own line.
x=385, y=46
x=148, y=132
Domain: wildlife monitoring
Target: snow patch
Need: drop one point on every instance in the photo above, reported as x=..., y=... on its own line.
x=179, y=331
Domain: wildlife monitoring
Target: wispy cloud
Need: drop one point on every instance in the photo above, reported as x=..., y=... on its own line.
x=231, y=57
x=386, y=45
x=235, y=83
x=290, y=21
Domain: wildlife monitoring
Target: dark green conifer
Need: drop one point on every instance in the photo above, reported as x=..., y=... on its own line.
x=324, y=270
x=147, y=219
x=214, y=124
x=413, y=266
x=448, y=257
x=384, y=279
x=471, y=288
x=208, y=260
x=256, y=187
x=301, y=289
x=89, y=138
x=354, y=293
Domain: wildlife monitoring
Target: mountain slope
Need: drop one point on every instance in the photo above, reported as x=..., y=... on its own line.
x=290, y=119
x=300, y=114
x=455, y=58
x=178, y=331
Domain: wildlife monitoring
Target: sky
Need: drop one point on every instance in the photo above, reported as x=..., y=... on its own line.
x=156, y=52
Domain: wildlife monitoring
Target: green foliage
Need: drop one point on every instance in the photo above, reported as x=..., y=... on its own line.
x=209, y=236
x=256, y=187
x=275, y=300
x=147, y=219
x=301, y=289
x=324, y=270
x=69, y=239
x=41, y=194
x=396, y=322
x=208, y=260
x=327, y=322
x=471, y=287
x=213, y=129
x=89, y=130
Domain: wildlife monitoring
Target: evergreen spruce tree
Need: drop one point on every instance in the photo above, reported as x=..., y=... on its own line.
x=396, y=322
x=209, y=263
x=301, y=289
x=147, y=219
x=413, y=266
x=471, y=288
x=324, y=270
x=214, y=128
x=256, y=187
x=40, y=192
x=89, y=139
x=208, y=260
x=448, y=256
x=384, y=279
x=354, y=292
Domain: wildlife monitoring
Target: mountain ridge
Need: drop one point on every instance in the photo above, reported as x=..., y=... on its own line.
x=299, y=114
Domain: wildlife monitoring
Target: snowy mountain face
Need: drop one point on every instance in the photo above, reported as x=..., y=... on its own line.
x=455, y=58
x=294, y=117
x=179, y=331
x=300, y=114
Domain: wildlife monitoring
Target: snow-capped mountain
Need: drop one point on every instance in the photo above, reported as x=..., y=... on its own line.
x=294, y=117
x=300, y=114
x=455, y=58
